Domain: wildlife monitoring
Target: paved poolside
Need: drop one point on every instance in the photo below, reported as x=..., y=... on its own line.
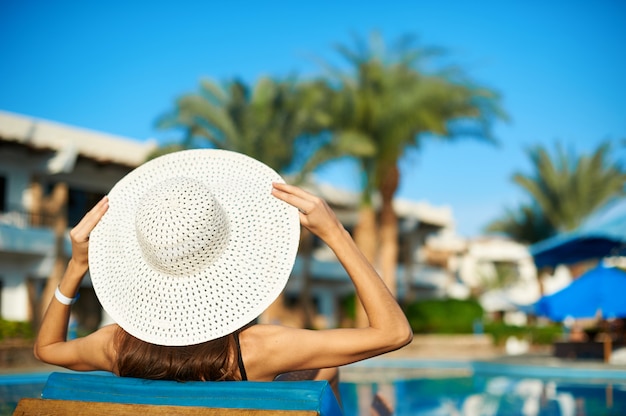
x=534, y=365
x=453, y=355
x=430, y=355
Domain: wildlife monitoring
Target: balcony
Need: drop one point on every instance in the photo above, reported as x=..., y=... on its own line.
x=25, y=233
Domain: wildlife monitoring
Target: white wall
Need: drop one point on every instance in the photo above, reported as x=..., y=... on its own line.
x=478, y=263
x=14, y=297
x=17, y=167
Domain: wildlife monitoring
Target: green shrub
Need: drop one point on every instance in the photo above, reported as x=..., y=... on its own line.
x=451, y=316
x=348, y=306
x=546, y=334
x=14, y=329
x=543, y=335
x=447, y=316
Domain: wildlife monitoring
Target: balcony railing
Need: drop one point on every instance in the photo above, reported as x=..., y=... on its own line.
x=18, y=217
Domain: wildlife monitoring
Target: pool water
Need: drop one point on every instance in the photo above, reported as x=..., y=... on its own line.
x=15, y=387
x=489, y=395
x=467, y=395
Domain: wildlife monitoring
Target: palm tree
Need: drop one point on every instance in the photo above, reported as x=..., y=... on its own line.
x=564, y=188
x=386, y=105
x=527, y=224
x=264, y=122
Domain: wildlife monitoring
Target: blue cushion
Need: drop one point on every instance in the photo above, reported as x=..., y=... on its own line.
x=285, y=395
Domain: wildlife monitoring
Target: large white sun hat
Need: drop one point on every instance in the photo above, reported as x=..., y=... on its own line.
x=193, y=247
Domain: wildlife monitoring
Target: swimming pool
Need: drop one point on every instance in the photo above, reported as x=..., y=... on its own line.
x=444, y=388
x=476, y=395
x=485, y=388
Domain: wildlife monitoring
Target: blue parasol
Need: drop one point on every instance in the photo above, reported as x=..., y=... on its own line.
x=601, y=235
x=598, y=292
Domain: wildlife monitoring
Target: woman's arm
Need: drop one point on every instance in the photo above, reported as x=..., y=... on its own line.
x=86, y=353
x=388, y=327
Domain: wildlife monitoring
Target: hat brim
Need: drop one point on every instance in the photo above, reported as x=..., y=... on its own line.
x=226, y=295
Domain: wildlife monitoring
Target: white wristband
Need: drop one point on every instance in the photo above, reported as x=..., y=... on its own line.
x=64, y=299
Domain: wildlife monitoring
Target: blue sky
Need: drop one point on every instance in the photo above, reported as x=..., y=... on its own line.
x=115, y=66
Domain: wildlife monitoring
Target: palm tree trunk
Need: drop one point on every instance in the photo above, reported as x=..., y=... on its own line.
x=306, y=256
x=389, y=229
x=36, y=220
x=57, y=209
x=365, y=239
x=365, y=233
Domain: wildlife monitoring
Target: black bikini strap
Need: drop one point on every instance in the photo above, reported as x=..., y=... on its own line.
x=242, y=368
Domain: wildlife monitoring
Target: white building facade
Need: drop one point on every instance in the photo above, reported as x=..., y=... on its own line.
x=41, y=161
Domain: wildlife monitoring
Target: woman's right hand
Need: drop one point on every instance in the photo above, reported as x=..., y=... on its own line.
x=315, y=214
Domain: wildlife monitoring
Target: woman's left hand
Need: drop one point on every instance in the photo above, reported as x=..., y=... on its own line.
x=79, y=235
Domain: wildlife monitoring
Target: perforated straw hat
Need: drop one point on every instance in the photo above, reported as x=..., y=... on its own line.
x=193, y=246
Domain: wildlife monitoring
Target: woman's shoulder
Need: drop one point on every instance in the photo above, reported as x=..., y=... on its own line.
x=267, y=333
x=270, y=341
x=260, y=334
x=107, y=332
x=106, y=337
x=261, y=345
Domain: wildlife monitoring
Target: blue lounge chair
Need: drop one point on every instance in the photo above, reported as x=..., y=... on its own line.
x=90, y=394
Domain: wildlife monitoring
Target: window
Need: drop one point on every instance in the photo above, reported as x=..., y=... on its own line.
x=3, y=194
x=79, y=202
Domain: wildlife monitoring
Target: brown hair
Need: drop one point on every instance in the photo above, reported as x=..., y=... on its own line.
x=214, y=360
